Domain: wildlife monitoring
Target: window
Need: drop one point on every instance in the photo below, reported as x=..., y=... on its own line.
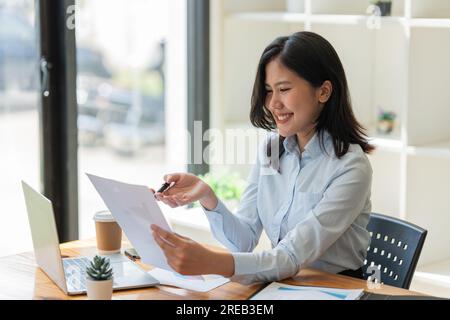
x=19, y=120
x=131, y=92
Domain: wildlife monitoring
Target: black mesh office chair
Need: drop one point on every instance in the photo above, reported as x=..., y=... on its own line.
x=394, y=250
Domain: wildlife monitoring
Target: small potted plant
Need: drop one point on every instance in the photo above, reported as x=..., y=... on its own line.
x=386, y=120
x=227, y=186
x=384, y=5
x=99, y=280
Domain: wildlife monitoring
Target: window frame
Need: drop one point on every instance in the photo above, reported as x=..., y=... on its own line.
x=198, y=73
x=58, y=113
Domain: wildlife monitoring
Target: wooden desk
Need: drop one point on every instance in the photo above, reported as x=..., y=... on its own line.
x=20, y=278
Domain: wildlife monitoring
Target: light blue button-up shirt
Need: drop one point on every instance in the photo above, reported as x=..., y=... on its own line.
x=314, y=210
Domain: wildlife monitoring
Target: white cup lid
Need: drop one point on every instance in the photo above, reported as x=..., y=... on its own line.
x=104, y=216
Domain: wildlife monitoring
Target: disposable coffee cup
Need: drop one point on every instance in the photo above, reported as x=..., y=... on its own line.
x=108, y=233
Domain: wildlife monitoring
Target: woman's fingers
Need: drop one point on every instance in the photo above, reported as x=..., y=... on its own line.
x=183, y=237
x=167, y=200
x=177, y=200
x=170, y=202
x=182, y=192
x=170, y=192
x=169, y=250
x=182, y=199
x=187, y=194
x=172, y=177
x=172, y=238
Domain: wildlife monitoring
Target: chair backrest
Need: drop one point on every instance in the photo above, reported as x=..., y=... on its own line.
x=394, y=250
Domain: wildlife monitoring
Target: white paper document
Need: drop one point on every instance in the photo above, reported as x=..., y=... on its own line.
x=281, y=291
x=134, y=207
x=195, y=283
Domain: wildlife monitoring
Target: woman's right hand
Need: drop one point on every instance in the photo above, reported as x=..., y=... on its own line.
x=188, y=188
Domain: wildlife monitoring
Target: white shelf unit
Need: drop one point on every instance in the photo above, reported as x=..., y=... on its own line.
x=403, y=66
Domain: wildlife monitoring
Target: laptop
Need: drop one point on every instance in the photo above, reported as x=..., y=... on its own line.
x=69, y=274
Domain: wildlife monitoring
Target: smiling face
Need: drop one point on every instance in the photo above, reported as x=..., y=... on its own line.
x=294, y=103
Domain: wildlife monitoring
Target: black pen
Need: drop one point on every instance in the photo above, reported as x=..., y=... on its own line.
x=165, y=186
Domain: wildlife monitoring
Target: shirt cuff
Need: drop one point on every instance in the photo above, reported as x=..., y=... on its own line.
x=244, y=263
x=219, y=209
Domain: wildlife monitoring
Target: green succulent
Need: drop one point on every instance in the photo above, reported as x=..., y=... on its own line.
x=99, y=269
x=387, y=116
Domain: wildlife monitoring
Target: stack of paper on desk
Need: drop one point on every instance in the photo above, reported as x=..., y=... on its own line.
x=281, y=291
x=196, y=283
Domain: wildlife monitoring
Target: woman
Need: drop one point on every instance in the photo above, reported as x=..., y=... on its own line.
x=315, y=204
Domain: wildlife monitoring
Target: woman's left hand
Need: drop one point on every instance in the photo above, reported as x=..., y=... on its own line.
x=188, y=257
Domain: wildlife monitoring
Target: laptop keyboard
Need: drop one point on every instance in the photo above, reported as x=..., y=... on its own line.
x=75, y=270
x=126, y=273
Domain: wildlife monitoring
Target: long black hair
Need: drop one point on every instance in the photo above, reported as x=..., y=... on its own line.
x=314, y=59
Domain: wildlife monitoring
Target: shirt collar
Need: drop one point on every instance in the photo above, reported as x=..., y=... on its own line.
x=312, y=148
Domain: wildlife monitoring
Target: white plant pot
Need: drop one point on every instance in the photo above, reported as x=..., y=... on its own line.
x=99, y=290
